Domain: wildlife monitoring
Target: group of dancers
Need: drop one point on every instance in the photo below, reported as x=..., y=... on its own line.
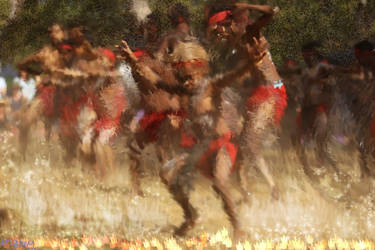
x=206, y=104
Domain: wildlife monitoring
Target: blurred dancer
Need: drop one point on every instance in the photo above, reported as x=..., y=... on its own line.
x=179, y=17
x=156, y=109
x=210, y=122
x=318, y=95
x=363, y=106
x=267, y=98
x=52, y=56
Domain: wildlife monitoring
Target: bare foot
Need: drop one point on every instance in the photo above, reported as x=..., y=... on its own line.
x=184, y=228
x=239, y=235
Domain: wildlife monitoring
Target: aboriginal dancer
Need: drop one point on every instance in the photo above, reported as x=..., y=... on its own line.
x=208, y=121
x=51, y=56
x=363, y=106
x=138, y=133
x=312, y=121
x=161, y=111
x=291, y=74
x=179, y=17
x=83, y=93
x=266, y=101
x=159, y=121
x=92, y=108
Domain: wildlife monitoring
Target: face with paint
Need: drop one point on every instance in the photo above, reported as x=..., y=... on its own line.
x=191, y=72
x=220, y=27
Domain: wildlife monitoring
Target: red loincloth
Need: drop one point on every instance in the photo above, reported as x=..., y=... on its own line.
x=111, y=118
x=264, y=93
x=150, y=124
x=187, y=140
x=46, y=93
x=70, y=111
x=204, y=164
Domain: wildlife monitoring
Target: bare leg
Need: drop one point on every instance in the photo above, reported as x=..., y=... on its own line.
x=308, y=124
x=242, y=174
x=190, y=213
x=70, y=145
x=135, y=172
x=301, y=153
x=171, y=169
x=23, y=140
x=48, y=128
x=262, y=166
x=255, y=129
x=104, y=159
x=221, y=175
x=104, y=155
x=31, y=114
x=365, y=171
x=321, y=135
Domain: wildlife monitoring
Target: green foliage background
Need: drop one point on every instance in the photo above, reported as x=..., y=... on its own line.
x=338, y=24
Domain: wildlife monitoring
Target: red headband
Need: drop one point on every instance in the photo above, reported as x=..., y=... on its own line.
x=110, y=55
x=181, y=19
x=325, y=61
x=195, y=62
x=65, y=46
x=220, y=16
x=290, y=63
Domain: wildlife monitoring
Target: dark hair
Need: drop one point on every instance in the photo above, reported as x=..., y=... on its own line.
x=178, y=13
x=364, y=45
x=154, y=18
x=311, y=46
x=76, y=37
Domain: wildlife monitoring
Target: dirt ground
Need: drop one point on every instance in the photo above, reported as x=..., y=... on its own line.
x=45, y=197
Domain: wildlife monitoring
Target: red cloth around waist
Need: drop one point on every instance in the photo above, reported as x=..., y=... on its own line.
x=151, y=122
x=70, y=111
x=264, y=93
x=46, y=93
x=215, y=145
x=187, y=140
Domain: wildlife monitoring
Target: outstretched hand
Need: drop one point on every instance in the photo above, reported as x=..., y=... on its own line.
x=257, y=50
x=125, y=52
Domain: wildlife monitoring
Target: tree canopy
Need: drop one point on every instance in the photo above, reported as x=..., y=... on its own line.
x=336, y=24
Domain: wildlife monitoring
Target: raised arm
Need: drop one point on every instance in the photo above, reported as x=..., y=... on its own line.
x=163, y=48
x=266, y=9
x=142, y=73
x=268, y=13
x=255, y=56
x=26, y=64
